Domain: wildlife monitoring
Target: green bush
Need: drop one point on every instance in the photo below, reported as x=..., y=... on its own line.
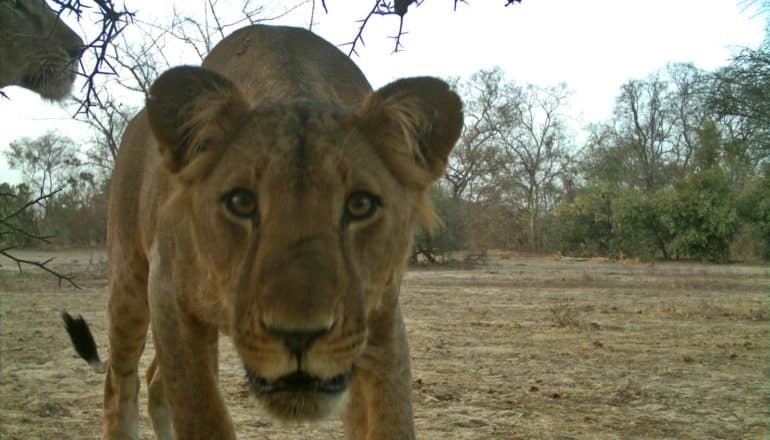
x=753, y=206
x=585, y=226
x=701, y=217
x=637, y=226
x=16, y=230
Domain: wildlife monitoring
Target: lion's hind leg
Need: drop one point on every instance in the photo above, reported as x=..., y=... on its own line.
x=129, y=321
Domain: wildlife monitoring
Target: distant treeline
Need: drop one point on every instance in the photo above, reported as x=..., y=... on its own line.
x=680, y=170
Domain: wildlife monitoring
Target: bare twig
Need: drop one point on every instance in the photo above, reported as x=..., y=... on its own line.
x=113, y=21
x=34, y=201
x=5, y=223
x=386, y=7
x=359, y=38
x=27, y=234
x=70, y=278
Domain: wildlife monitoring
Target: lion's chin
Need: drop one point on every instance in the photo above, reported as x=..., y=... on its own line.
x=300, y=396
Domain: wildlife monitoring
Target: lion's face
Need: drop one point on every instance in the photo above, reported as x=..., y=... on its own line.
x=301, y=215
x=37, y=50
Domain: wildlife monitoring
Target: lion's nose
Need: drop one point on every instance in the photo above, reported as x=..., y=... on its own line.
x=75, y=52
x=297, y=341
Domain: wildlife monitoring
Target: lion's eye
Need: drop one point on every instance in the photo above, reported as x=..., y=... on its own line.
x=241, y=202
x=361, y=206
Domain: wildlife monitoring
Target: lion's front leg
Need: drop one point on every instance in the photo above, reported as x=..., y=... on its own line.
x=187, y=360
x=187, y=356
x=380, y=405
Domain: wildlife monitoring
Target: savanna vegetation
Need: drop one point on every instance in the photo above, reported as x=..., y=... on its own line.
x=680, y=170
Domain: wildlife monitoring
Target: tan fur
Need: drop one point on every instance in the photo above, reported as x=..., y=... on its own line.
x=37, y=50
x=300, y=285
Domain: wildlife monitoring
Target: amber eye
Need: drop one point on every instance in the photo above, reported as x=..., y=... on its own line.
x=360, y=206
x=241, y=202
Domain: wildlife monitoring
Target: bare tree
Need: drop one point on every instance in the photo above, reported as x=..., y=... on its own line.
x=474, y=160
x=643, y=124
x=108, y=121
x=47, y=163
x=141, y=55
x=741, y=101
x=535, y=146
x=202, y=32
x=687, y=107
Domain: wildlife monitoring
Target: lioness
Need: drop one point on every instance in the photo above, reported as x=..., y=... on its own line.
x=272, y=196
x=37, y=50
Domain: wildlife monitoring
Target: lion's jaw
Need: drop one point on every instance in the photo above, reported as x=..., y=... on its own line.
x=302, y=279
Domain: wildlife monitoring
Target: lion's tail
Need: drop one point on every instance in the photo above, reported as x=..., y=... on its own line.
x=83, y=341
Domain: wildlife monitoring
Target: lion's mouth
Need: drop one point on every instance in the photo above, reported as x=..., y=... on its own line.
x=300, y=382
x=52, y=79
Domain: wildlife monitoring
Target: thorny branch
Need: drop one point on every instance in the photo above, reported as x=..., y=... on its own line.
x=5, y=251
x=394, y=7
x=112, y=21
x=35, y=201
x=70, y=278
x=383, y=7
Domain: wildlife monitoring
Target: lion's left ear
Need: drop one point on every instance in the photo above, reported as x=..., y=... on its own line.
x=414, y=124
x=190, y=109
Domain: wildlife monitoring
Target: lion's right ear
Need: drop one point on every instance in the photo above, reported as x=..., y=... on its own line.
x=190, y=109
x=415, y=122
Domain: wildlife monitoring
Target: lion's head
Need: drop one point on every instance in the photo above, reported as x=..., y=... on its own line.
x=299, y=215
x=37, y=50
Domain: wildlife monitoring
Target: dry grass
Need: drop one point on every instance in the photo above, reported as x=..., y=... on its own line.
x=521, y=348
x=564, y=314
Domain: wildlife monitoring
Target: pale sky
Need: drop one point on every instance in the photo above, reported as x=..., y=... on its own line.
x=593, y=46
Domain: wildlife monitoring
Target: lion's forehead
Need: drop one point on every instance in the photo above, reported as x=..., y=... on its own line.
x=300, y=146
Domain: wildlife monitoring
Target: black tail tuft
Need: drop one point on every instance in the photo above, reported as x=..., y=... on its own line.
x=81, y=338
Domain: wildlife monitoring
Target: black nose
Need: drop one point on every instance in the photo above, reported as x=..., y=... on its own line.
x=75, y=51
x=297, y=341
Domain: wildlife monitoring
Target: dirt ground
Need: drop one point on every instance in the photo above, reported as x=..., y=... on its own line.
x=518, y=348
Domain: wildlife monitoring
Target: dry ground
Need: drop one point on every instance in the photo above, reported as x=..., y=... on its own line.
x=518, y=348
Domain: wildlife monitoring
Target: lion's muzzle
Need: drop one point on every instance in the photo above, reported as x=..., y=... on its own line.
x=300, y=382
x=300, y=325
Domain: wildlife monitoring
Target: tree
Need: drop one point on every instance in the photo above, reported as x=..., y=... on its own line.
x=47, y=163
x=473, y=163
x=741, y=101
x=686, y=106
x=535, y=147
x=643, y=128
x=108, y=121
